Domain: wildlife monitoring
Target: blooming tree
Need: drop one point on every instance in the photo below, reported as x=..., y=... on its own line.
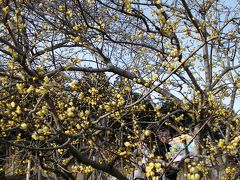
x=70, y=72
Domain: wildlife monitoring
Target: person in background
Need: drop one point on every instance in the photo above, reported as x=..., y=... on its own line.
x=163, y=147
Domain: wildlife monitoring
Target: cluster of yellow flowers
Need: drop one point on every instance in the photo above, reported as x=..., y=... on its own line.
x=221, y=143
x=152, y=168
x=42, y=111
x=41, y=133
x=36, y=137
x=70, y=111
x=127, y=5
x=169, y=65
x=234, y=145
x=179, y=118
x=74, y=84
x=212, y=99
x=230, y=172
x=82, y=169
x=122, y=153
x=195, y=169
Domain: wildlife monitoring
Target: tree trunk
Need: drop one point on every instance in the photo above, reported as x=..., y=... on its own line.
x=3, y=153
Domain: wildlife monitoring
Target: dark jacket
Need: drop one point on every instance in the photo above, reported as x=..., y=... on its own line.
x=161, y=151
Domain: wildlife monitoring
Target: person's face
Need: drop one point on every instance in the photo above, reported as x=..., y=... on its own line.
x=164, y=137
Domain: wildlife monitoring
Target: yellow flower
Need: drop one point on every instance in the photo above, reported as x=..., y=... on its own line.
x=127, y=144
x=5, y=10
x=108, y=107
x=30, y=89
x=18, y=110
x=77, y=27
x=70, y=112
x=35, y=136
x=78, y=126
x=147, y=133
x=46, y=80
x=13, y=104
x=69, y=13
x=149, y=67
x=20, y=87
x=77, y=39
x=183, y=137
x=24, y=126
x=154, y=77
x=73, y=84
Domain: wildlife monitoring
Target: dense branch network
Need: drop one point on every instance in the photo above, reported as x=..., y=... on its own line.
x=84, y=83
